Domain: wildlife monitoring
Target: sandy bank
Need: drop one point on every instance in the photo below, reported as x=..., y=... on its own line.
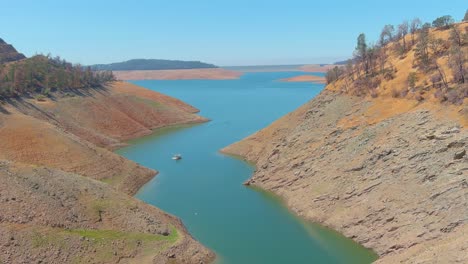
x=305, y=78
x=209, y=74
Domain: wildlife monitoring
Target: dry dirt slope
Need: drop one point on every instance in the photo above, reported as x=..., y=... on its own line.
x=50, y=216
x=72, y=132
x=52, y=208
x=396, y=183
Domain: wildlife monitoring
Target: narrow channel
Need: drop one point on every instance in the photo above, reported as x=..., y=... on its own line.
x=205, y=190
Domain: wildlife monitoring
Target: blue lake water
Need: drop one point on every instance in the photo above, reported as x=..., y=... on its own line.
x=204, y=189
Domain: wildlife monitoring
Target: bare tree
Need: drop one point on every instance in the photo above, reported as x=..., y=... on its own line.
x=402, y=31
x=414, y=27
x=457, y=56
x=387, y=34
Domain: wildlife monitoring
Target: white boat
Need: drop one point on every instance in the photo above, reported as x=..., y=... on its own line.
x=177, y=157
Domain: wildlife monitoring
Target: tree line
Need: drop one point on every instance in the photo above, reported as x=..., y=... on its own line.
x=44, y=74
x=370, y=65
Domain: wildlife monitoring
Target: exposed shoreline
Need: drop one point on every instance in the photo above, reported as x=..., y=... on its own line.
x=306, y=78
x=280, y=199
x=186, y=74
x=282, y=169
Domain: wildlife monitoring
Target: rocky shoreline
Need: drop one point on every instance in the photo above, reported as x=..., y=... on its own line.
x=394, y=181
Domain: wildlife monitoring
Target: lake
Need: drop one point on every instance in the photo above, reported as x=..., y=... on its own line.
x=240, y=224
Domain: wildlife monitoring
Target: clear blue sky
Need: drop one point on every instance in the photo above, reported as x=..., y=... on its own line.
x=242, y=32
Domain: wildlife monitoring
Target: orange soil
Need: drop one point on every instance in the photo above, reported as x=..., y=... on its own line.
x=63, y=134
x=305, y=78
x=210, y=74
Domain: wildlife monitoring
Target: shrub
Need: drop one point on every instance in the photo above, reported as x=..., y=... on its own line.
x=419, y=97
x=403, y=93
x=395, y=93
x=412, y=79
x=436, y=81
x=40, y=97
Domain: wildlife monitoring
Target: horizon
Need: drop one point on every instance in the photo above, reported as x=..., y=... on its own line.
x=227, y=35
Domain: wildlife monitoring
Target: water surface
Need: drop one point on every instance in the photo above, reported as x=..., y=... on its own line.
x=205, y=188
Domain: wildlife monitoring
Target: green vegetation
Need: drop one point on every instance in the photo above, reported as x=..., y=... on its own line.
x=103, y=243
x=412, y=79
x=443, y=21
x=144, y=64
x=107, y=235
x=43, y=74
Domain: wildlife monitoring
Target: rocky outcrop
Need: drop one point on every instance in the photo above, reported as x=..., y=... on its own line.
x=8, y=53
x=390, y=173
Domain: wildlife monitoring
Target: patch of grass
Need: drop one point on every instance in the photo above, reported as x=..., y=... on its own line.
x=110, y=180
x=116, y=235
x=149, y=102
x=45, y=239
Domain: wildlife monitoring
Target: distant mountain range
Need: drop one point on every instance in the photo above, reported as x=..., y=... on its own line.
x=152, y=64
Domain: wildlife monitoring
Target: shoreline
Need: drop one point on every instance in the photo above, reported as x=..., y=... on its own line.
x=154, y=132
x=305, y=78
x=284, y=202
x=264, y=148
x=183, y=74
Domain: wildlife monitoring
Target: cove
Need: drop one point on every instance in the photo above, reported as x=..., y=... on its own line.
x=240, y=224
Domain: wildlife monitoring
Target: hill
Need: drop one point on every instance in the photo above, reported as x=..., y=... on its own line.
x=40, y=75
x=152, y=64
x=429, y=64
x=65, y=196
x=387, y=169
x=8, y=53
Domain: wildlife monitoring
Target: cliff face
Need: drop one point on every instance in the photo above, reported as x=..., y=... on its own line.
x=390, y=174
x=64, y=194
x=8, y=53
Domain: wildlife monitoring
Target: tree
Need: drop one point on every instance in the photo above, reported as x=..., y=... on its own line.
x=457, y=56
x=426, y=26
x=422, y=49
x=361, y=51
x=387, y=34
x=466, y=16
x=414, y=27
x=402, y=31
x=443, y=22
x=333, y=74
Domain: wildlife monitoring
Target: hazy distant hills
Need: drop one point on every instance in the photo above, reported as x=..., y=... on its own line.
x=8, y=53
x=152, y=64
